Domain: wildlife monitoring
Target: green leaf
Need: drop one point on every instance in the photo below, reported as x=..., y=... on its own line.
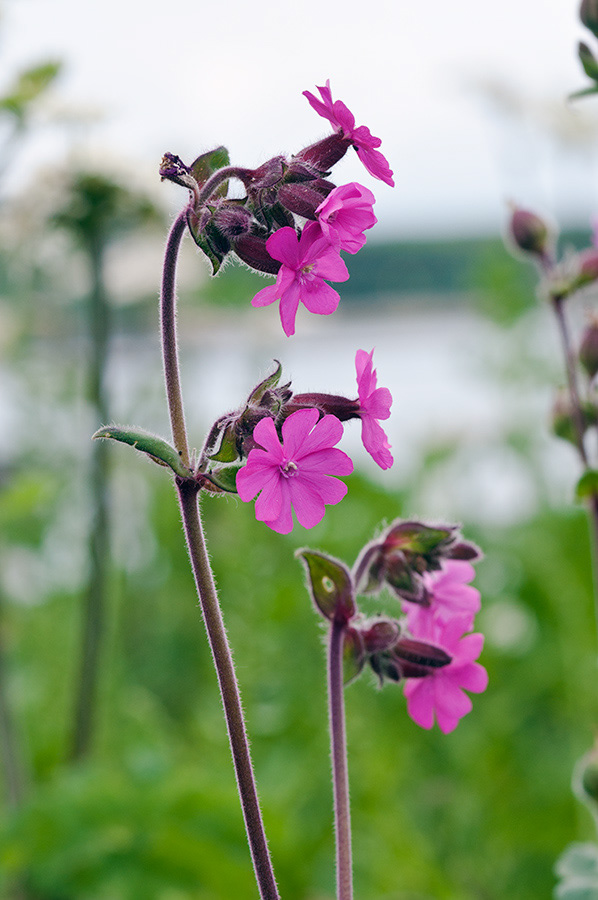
x=331, y=585
x=157, y=449
x=587, y=484
x=28, y=87
x=584, y=92
x=227, y=451
x=209, y=248
x=208, y=163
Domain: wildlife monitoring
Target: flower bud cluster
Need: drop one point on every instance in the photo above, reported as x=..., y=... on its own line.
x=281, y=446
x=431, y=648
x=292, y=222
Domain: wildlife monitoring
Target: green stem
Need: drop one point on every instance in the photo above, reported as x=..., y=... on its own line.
x=95, y=599
x=340, y=771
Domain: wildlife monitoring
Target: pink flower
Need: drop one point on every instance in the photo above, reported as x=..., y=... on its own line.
x=362, y=139
x=345, y=214
x=306, y=262
x=441, y=694
x=374, y=403
x=450, y=596
x=297, y=474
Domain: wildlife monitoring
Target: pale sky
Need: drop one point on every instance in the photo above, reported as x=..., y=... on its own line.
x=184, y=78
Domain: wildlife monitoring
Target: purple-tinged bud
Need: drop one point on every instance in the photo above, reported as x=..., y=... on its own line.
x=232, y=219
x=328, y=404
x=409, y=659
x=324, y=154
x=530, y=233
x=588, y=349
x=301, y=199
x=268, y=175
x=298, y=170
x=172, y=168
x=251, y=248
x=380, y=634
x=465, y=550
x=564, y=423
x=588, y=13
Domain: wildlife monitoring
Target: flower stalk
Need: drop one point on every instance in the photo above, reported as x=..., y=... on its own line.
x=188, y=491
x=340, y=769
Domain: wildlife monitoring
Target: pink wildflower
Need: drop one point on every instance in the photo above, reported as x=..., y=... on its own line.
x=441, y=694
x=297, y=474
x=345, y=214
x=306, y=262
x=362, y=139
x=374, y=403
x=450, y=596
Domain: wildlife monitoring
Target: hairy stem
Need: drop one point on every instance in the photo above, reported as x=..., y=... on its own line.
x=188, y=492
x=340, y=772
x=231, y=699
x=170, y=355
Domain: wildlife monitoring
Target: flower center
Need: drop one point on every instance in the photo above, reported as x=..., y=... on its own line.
x=288, y=469
x=306, y=270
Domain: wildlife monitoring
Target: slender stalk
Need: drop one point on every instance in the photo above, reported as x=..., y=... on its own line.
x=578, y=424
x=95, y=599
x=188, y=492
x=9, y=743
x=231, y=699
x=170, y=353
x=340, y=771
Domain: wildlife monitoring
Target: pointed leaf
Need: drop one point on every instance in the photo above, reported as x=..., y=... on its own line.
x=214, y=254
x=331, y=585
x=208, y=163
x=270, y=382
x=588, y=61
x=157, y=449
x=227, y=450
x=225, y=478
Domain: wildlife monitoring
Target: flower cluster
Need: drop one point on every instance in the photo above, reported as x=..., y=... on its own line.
x=292, y=222
x=432, y=648
x=281, y=447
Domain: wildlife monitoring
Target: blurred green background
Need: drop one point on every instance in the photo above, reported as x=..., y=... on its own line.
x=139, y=801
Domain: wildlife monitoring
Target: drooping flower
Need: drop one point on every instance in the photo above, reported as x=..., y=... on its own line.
x=441, y=694
x=362, y=139
x=306, y=263
x=297, y=474
x=345, y=214
x=374, y=403
x=449, y=595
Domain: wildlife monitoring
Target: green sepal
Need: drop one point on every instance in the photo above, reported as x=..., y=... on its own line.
x=156, y=448
x=587, y=484
x=225, y=479
x=584, y=92
x=209, y=248
x=227, y=451
x=201, y=169
x=271, y=381
x=353, y=655
x=331, y=585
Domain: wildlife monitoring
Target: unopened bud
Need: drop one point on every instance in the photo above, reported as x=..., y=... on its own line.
x=325, y=153
x=564, y=423
x=301, y=199
x=588, y=349
x=529, y=232
x=251, y=248
x=588, y=13
x=588, y=267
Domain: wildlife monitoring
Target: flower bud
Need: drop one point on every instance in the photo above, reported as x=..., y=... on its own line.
x=232, y=219
x=325, y=153
x=251, y=248
x=328, y=404
x=587, y=272
x=172, y=168
x=529, y=232
x=563, y=417
x=588, y=350
x=588, y=13
x=302, y=199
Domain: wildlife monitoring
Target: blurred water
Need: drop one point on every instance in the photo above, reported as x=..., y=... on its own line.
x=457, y=380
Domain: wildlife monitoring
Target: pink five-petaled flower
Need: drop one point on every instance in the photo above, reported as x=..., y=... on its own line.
x=297, y=473
x=441, y=693
x=306, y=262
x=450, y=595
x=345, y=214
x=362, y=139
x=374, y=404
